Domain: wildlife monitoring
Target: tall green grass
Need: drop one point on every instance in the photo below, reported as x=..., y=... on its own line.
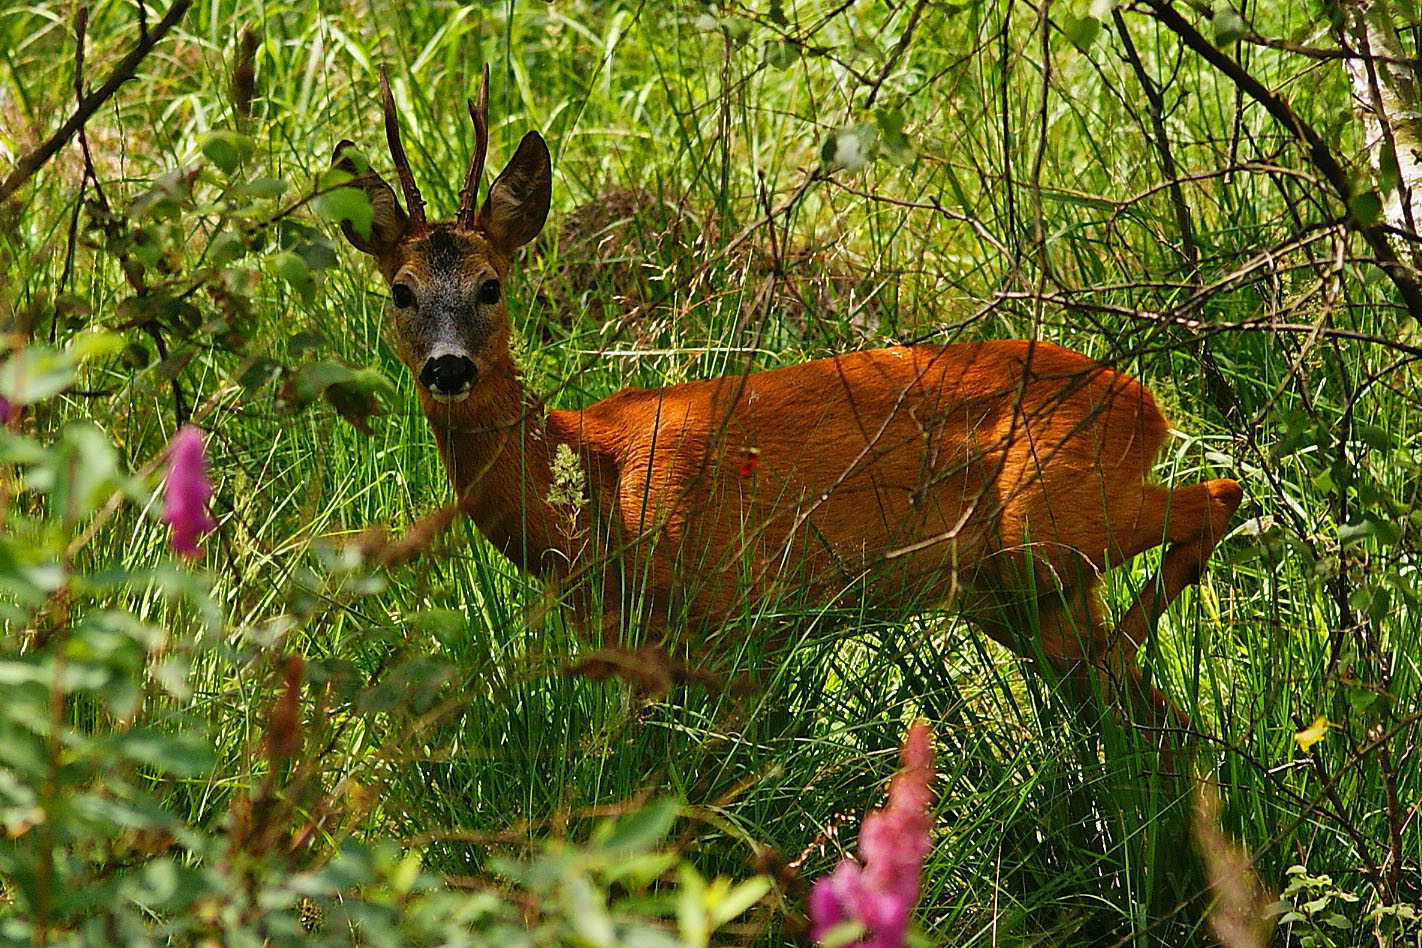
x=1046, y=833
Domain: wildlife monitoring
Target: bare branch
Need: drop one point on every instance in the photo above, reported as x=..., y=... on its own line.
x=31, y=161
x=1317, y=150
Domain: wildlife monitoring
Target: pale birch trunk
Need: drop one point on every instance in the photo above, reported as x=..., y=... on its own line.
x=1386, y=98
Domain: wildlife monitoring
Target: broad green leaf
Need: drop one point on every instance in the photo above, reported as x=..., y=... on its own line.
x=226, y=149
x=739, y=898
x=779, y=54
x=88, y=471
x=226, y=247
x=893, y=141
x=265, y=188
x=587, y=912
x=1366, y=207
x=1081, y=30
x=639, y=830
x=842, y=935
x=1228, y=25
x=318, y=253
x=291, y=268
x=184, y=753
x=1373, y=436
x=348, y=205
x=691, y=917
x=34, y=373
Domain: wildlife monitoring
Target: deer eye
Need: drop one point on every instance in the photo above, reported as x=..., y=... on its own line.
x=489, y=292
x=402, y=295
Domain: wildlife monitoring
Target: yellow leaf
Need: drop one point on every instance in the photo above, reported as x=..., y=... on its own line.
x=1312, y=734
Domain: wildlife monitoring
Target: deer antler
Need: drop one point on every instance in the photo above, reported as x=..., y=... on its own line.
x=469, y=194
x=414, y=204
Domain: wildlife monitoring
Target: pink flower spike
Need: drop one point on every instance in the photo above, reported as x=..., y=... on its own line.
x=7, y=411
x=881, y=889
x=188, y=491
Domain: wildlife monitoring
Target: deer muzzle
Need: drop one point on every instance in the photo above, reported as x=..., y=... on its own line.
x=449, y=377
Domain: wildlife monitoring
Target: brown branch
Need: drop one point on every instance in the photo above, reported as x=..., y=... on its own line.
x=1317, y=150
x=1171, y=317
x=893, y=58
x=31, y=161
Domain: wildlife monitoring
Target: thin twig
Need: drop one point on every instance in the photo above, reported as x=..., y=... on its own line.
x=1316, y=149
x=34, y=159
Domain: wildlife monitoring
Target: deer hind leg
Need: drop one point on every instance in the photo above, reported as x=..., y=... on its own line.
x=1190, y=521
x=1073, y=639
x=1061, y=627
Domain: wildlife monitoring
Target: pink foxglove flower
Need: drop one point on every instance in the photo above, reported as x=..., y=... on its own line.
x=188, y=491
x=7, y=411
x=879, y=890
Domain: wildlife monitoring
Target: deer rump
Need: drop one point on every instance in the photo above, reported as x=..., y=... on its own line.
x=913, y=477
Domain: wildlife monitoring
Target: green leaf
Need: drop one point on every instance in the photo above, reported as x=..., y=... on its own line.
x=318, y=254
x=35, y=373
x=843, y=934
x=587, y=912
x=226, y=149
x=164, y=884
x=738, y=899
x=86, y=471
x=1081, y=30
x=226, y=247
x=264, y=188
x=414, y=684
x=346, y=205
x=1366, y=207
x=184, y=754
x=293, y=269
x=334, y=175
x=862, y=47
x=691, y=918
x=893, y=141
x=1369, y=526
x=737, y=29
x=1229, y=26
x=1388, y=172
x=307, y=340
x=1373, y=436
x=779, y=54
x=639, y=830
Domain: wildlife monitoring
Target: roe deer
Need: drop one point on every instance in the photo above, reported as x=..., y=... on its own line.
x=1002, y=477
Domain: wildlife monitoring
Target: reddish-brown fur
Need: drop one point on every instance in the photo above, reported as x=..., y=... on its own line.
x=1002, y=477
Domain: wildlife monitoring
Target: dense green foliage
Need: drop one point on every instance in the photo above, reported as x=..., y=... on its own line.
x=168, y=770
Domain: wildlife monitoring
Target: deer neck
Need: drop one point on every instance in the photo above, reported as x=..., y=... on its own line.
x=502, y=452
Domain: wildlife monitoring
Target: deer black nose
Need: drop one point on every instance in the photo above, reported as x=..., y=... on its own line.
x=449, y=375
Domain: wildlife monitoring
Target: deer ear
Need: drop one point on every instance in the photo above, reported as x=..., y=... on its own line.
x=517, y=204
x=388, y=222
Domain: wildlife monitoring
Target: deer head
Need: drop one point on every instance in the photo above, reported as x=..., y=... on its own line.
x=446, y=278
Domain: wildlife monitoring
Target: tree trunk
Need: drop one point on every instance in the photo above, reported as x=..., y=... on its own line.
x=1386, y=97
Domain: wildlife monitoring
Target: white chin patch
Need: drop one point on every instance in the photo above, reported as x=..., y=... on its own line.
x=444, y=399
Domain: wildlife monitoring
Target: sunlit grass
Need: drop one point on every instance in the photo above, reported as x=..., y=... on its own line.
x=1044, y=830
